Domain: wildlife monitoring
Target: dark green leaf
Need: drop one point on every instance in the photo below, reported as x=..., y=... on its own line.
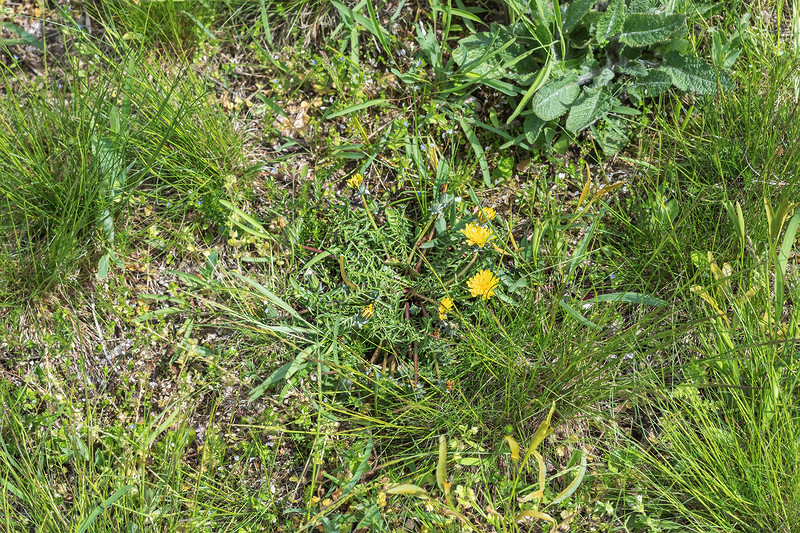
x=553, y=100
x=574, y=12
x=645, y=29
x=655, y=83
x=611, y=22
x=692, y=74
x=605, y=77
x=591, y=106
x=532, y=127
x=633, y=68
x=641, y=6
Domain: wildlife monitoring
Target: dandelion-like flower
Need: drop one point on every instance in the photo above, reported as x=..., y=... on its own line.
x=486, y=214
x=445, y=306
x=477, y=235
x=368, y=311
x=483, y=284
x=356, y=181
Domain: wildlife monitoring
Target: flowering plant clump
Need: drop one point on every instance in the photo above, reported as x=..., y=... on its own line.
x=477, y=235
x=356, y=181
x=483, y=284
x=445, y=306
x=486, y=214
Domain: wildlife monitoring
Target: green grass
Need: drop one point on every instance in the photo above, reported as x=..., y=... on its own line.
x=228, y=231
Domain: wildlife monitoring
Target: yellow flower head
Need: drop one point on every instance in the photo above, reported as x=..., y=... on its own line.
x=368, y=311
x=445, y=306
x=486, y=213
x=356, y=181
x=477, y=235
x=483, y=284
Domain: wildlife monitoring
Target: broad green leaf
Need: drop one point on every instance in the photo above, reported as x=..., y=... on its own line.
x=783, y=261
x=451, y=11
x=554, y=99
x=692, y=74
x=614, y=137
x=591, y=106
x=532, y=127
x=474, y=142
x=359, y=471
x=611, y=23
x=495, y=54
x=649, y=86
x=102, y=266
x=634, y=68
x=641, y=6
x=270, y=296
x=645, y=29
x=174, y=412
x=574, y=12
x=602, y=79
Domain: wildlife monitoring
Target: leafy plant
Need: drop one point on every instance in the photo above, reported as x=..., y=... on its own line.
x=516, y=507
x=593, y=65
x=726, y=454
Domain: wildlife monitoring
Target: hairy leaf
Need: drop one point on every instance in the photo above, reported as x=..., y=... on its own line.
x=532, y=127
x=641, y=6
x=633, y=68
x=692, y=74
x=554, y=99
x=611, y=22
x=649, y=86
x=614, y=137
x=592, y=105
x=644, y=29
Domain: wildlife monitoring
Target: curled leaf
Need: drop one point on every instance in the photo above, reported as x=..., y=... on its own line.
x=514, y=449
x=567, y=492
x=535, y=514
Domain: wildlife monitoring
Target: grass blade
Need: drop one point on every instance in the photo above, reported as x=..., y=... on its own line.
x=103, y=506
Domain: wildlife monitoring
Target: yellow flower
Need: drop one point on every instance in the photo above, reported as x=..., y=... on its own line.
x=445, y=306
x=477, y=235
x=368, y=311
x=483, y=284
x=356, y=181
x=486, y=213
